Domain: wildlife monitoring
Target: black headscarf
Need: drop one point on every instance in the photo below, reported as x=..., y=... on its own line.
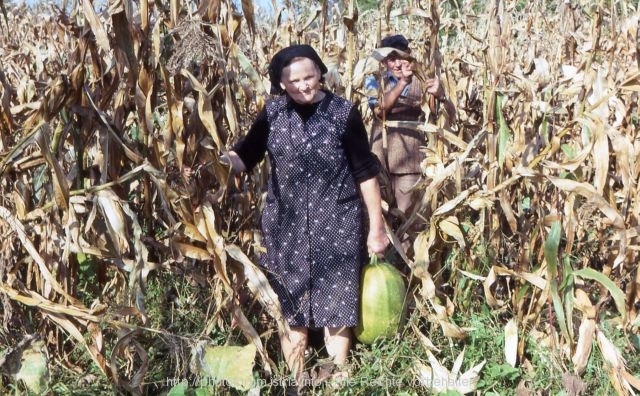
x=284, y=57
x=397, y=41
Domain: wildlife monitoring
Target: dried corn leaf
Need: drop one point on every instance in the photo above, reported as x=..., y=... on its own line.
x=125, y=345
x=437, y=182
x=73, y=331
x=191, y=231
x=143, y=98
x=452, y=204
x=259, y=286
x=142, y=267
x=631, y=379
x=215, y=243
x=132, y=154
x=424, y=340
x=452, y=330
x=144, y=15
x=586, y=337
x=600, y=157
x=507, y=211
x=583, y=303
x=410, y=11
x=632, y=82
x=249, y=15
x=109, y=205
x=48, y=278
x=250, y=333
x=191, y=251
x=504, y=133
x=451, y=227
x=313, y=14
x=437, y=378
x=124, y=40
x=470, y=275
x=156, y=48
x=174, y=12
x=21, y=145
x=34, y=299
x=205, y=112
x=491, y=278
x=511, y=342
x=230, y=112
x=576, y=161
x=421, y=246
x=96, y=26
x=616, y=365
x=588, y=191
x=60, y=186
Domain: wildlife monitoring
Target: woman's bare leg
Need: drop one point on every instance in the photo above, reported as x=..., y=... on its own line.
x=338, y=341
x=293, y=348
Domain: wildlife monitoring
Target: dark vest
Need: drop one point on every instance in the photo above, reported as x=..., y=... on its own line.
x=312, y=220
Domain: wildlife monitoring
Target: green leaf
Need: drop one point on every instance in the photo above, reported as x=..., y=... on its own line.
x=567, y=288
x=202, y=392
x=34, y=372
x=449, y=393
x=523, y=292
x=525, y=204
x=179, y=390
x=502, y=372
x=568, y=150
x=586, y=133
x=544, y=128
x=616, y=293
x=233, y=364
x=551, y=246
x=635, y=340
x=567, y=175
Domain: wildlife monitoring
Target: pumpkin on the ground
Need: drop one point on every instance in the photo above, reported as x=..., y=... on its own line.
x=382, y=297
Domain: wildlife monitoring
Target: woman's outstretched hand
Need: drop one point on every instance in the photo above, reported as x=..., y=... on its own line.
x=234, y=161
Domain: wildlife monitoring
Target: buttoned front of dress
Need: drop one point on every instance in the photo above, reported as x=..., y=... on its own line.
x=312, y=220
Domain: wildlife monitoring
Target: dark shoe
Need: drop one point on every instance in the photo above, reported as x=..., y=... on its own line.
x=322, y=372
x=293, y=391
x=296, y=388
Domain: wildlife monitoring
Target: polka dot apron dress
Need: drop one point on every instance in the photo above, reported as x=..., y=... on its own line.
x=312, y=219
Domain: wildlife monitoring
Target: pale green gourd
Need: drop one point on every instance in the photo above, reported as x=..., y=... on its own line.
x=382, y=297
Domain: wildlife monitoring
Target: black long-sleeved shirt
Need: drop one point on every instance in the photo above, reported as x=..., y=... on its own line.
x=363, y=163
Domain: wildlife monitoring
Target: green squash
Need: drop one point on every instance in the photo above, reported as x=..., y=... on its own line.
x=382, y=297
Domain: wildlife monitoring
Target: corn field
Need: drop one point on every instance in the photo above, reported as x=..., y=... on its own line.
x=114, y=116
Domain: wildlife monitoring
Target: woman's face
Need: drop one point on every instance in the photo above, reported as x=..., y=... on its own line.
x=395, y=64
x=301, y=80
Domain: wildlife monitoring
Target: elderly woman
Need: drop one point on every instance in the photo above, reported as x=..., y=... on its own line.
x=323, y=177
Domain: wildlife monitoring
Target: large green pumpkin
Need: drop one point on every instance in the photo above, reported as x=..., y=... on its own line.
x=382, y=296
